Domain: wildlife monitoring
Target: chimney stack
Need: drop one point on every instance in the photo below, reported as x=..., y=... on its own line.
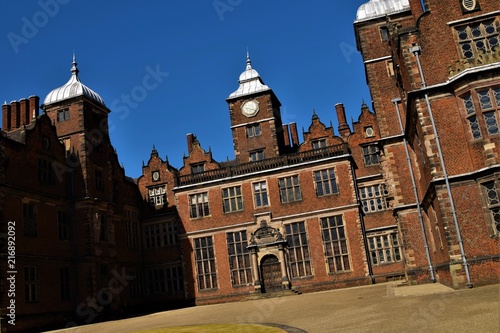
x=24, y=112
x=15, y=115
x=6, y=120
x=190, y=141
x=286, y=135
x=295, y=136
x=344, y=129
x=34, y=107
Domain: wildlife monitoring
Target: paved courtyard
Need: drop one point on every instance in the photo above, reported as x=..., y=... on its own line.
x=383, y=308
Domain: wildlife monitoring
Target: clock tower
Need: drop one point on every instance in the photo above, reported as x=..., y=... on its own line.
x=255, y=116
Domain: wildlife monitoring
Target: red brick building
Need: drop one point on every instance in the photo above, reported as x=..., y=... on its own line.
x=409, y=191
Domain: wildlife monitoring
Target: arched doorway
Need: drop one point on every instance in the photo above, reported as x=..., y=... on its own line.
x=271, y=273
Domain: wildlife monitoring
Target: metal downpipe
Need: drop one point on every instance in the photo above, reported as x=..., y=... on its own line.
x=416, y=50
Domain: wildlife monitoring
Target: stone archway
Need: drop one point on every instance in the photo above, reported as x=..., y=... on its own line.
x=270, y=269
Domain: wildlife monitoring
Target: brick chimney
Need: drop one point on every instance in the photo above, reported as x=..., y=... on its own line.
x=24, y=112
x=15, y=115
x=344, y=129
x=190, y=140
x=295, y=136
x=6, y=115
x=286, y=135
x=34, y=107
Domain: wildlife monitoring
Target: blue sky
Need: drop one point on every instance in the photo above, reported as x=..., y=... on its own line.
x=305, y=51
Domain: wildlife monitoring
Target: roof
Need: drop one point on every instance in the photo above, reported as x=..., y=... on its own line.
x=73, y=88
x=250, y=82
x=379, y=8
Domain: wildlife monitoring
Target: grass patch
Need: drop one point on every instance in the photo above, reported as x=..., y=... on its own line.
x=217, y=328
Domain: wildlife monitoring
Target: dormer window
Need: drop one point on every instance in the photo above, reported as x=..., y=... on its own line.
x=197, y=168
x=320, y=143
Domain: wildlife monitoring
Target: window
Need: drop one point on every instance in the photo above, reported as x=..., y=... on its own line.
x=373, y=198
x=389, y=66
x=289, y=189
x=132, y=229
x=469, y=5
x=253, y=130
x=157, y=196
x=135, y=284
x=384, y=34
x=65, y=284
x=63, y=115
x=298, y=249
x=175, y=280
x=239, y=258
x=371, y=155
x=160, y=234
x=156, y=281
x=103, y=226
x=29, y=219
x=99, y=183
x=256, y=155
x=260, y=194
x=198, y=168
x=63, y=225
x=46, y=173
x=491, y=190
x=198, y=204
x=206, y=272
x=384, y=247
x=30, y=284
x=326, y=183
x=232, y=199
x=477, y=38
x=488, y=103
x=320, y=143
x=335, y=244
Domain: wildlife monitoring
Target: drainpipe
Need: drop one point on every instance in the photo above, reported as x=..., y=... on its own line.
x=363, y=228
x=416, y=50
x=415, y=190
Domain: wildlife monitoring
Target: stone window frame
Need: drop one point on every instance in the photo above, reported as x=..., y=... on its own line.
x=289, y=188
x=260, y=194
x=46, y=173
x=253, y=130
x=335, y=244
x=198, y=167
x=63, y=115
x=482, y=120
x=490, y=190
x=380, y=196
x=30, y=216
x=256, y=155
x=232, y=199
x=476, y=32
x=31, y=284
x=160, y=235
x=157, y=195
x=199, y=205
x=299, y=254
x=240, y=265
x=384, y=246
x=205, y=264
x=325, y=182
x=371, y=154
x=318, y=143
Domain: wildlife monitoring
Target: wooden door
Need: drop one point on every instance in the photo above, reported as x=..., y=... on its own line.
x=271, y=273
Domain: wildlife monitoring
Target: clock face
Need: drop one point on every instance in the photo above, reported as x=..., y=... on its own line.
x=250, y=108
x=156, y=175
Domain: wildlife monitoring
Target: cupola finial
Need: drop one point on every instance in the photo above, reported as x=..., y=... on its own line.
x=74, y=69
x=249, y=62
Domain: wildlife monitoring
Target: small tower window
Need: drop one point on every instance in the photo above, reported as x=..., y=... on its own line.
x=384, y=34
x=63, y=115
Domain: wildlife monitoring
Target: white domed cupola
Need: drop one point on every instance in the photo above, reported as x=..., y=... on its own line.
x=73, y=88
x=250, y=82
x=380, y=8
